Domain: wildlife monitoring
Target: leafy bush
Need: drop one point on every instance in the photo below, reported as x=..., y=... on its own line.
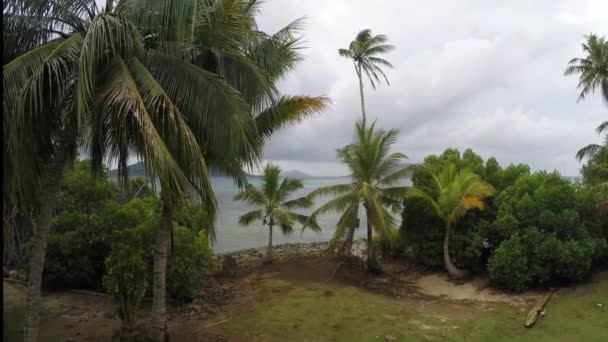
x=560, y=239
x=127, y=273
x=508, y=267
x=190, y=259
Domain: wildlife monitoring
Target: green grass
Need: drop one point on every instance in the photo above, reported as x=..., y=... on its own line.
x=338, y=313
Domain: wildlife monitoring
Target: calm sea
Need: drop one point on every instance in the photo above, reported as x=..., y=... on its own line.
x=231, y=236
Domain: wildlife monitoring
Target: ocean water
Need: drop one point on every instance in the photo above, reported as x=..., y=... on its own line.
x=231, y=236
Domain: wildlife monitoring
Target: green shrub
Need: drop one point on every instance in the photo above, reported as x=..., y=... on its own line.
x=190, y=258
x=127, y=273
x=508, y=267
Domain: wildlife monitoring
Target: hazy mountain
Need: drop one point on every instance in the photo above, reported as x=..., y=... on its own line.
x=138, y=170
x=296, y=174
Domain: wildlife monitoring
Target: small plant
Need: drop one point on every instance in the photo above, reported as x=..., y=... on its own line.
x=126, y=276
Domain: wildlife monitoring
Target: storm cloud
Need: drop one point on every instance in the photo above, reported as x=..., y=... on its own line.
x=467, y=74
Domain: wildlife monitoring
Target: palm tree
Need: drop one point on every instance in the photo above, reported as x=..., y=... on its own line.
x=224, y=40
x=85, y=80
x=364, y=52
x=592, y=150
x=375, y=175
x=451, y=195
x=593, y=68
x=595, y=170
x=272, y=196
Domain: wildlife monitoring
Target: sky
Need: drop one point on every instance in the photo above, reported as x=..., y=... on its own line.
x=486, y=75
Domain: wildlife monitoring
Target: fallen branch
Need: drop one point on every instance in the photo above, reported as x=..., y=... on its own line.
x=212, y=324
x=535, y=313
x=336, y=270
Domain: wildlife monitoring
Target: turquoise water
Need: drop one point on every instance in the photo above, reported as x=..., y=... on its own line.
x=231, y=236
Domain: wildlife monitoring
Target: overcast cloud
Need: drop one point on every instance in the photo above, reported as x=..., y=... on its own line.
x=467, y=74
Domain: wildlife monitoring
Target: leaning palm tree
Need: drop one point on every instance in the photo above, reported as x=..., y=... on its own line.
x=376, y=176
x=272, y=196
x=224, y=40
x=593, y=68
x=364, y=51
x=451, y=195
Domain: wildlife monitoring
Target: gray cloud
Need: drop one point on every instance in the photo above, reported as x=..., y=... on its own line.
x=467, y=74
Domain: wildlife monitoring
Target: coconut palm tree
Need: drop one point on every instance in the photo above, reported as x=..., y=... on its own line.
x=90, y=79
x=192, y=99
x=451, y=195
x=273, y=198
x=224, y=40
x=375, y=182
x=593, y=68
x=364, y=51
x=592, y=150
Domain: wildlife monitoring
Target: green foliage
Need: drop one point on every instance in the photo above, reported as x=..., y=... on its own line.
x=117, y=233
x=508, y=266
x=127, y=272
x=556, y=234
x=190, y=258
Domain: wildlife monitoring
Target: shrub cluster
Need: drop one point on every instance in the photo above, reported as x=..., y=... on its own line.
x=538, y=229
x=100, y=234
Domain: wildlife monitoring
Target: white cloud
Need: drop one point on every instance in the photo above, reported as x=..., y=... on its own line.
x=467, y=74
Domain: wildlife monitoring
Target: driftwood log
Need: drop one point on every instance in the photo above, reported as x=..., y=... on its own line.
x=535, y=313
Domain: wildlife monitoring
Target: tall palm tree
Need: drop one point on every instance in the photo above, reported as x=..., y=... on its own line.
x=272, y=196
x=224, y=39
x=451, y=195
x=87, y=80
x=593, y=68
x=375, y=177
x=364, y=51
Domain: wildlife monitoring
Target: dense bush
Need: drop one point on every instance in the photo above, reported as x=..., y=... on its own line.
x=538, y=229
x=424, y=231
x=553, y=237
x=189, y=260
x=97, y=224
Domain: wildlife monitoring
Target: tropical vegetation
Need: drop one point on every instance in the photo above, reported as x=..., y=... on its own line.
x=376, y=184
x=451, y=195
x=593, y=67
x=276, y=207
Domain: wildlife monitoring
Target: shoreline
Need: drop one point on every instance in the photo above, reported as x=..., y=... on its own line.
x=248, y=258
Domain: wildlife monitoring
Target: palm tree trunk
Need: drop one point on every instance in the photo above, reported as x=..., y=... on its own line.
x=109, y=5
x=159, y=292
x=48, y=200
x=268, y=259
x=361, y=94
x=372, y=262
x=453, y=271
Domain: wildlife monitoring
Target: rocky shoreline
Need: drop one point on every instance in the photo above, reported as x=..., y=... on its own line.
x=246, y=259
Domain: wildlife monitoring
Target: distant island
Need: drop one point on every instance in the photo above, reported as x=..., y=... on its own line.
x=139, y=170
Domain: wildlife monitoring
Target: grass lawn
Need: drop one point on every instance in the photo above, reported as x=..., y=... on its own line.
x=327, y=312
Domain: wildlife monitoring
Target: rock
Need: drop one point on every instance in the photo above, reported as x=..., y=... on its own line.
x=599, y=305
x=229, y=266
x=12, y=274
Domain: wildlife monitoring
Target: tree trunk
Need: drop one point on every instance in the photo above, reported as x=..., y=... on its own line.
x=109, y=5
x=268, y=259
x=48, y=199
x=453, y=271
x=361, y=94
x=159, y=292
x=372, y=262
